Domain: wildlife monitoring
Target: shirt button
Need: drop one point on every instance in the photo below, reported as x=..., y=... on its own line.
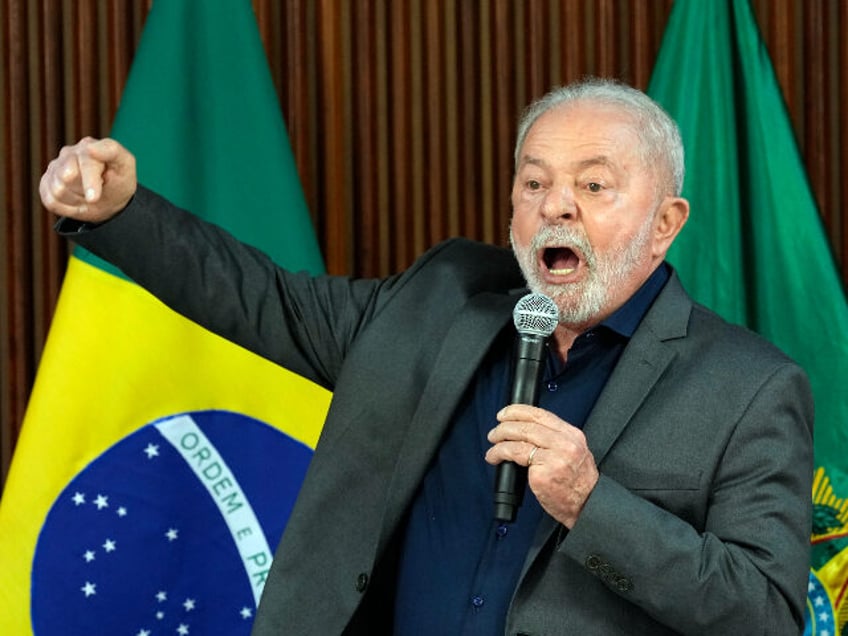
x=502, y=530
x=477, y=601
x=552, y=386
x=361, y=582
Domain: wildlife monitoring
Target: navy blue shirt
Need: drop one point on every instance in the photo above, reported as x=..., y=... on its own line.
x=458, y=566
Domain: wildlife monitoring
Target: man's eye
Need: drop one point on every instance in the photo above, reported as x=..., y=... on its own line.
x=532, y=184
x=594, y=186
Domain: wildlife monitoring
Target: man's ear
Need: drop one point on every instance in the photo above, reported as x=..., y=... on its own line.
x=670, y=219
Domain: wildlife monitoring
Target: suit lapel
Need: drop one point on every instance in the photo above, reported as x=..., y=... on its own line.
x=460, y=355
x=642, y=363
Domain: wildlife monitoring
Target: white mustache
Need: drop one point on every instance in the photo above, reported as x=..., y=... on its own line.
x=561, y=236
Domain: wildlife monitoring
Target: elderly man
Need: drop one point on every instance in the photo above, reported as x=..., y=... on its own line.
x=668, y=461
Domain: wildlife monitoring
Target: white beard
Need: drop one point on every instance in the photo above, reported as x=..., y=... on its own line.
x=579, y=303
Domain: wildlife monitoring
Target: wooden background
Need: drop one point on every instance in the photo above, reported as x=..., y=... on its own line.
x=401, y=115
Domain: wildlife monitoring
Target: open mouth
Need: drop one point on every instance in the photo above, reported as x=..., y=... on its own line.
x=560, y=261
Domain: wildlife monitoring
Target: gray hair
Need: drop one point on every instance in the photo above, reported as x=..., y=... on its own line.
x=658, y=133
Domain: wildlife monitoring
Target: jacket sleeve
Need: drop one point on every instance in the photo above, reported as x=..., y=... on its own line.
x=301, y=322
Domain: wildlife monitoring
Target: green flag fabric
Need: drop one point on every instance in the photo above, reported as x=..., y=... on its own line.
x=158, y=463
x=201, y=115
x=755, y=250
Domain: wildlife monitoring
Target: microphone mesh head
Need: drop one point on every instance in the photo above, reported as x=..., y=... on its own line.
x=535, y=314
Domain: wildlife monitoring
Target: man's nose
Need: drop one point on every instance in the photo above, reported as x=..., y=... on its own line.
x=560, y=205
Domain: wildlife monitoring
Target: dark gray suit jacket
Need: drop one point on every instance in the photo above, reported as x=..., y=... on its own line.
x=699, y=524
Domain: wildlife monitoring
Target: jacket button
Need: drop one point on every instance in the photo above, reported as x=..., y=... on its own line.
x=361, y=582
x=624, y=584
x=593, y=562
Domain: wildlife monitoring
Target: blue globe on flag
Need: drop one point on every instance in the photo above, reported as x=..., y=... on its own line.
x=170, y=531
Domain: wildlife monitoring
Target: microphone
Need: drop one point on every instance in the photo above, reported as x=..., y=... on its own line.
x=535, y=316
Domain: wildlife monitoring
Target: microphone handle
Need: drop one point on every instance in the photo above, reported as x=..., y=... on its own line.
x=510, y=478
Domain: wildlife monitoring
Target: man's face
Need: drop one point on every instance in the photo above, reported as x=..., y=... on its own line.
x=584, y=223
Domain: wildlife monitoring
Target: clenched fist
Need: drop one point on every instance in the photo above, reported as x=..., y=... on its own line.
x=90, y=181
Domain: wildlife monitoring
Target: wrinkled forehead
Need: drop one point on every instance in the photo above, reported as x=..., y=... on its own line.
x=580, y=130
x=586, y=116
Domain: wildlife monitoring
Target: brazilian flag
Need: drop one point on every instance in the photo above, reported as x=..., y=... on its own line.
x=158, y=463
x=754, y=248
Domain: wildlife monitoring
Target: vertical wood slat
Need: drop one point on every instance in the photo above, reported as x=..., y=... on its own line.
x=47, y=254
x=833, y=186
x=383, y=158
x=488, y=199
x=840, y=167
x=401, y=116
x=468, y=96
x=506, y=117
x=451, y=125
x=17, y=363
x=399, y=130
x=433, y=177
x=417, y=171
x=331, y=133
x=815, y=102
x=7, y=385
x=366, y=182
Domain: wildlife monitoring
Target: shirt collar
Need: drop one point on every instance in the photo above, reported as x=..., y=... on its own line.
x=626, y=318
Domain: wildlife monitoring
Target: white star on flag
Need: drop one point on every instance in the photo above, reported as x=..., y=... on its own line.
x=151, y=450
x=79, y=543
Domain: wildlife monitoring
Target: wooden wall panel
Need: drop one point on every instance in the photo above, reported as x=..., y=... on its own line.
x=401, y=115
